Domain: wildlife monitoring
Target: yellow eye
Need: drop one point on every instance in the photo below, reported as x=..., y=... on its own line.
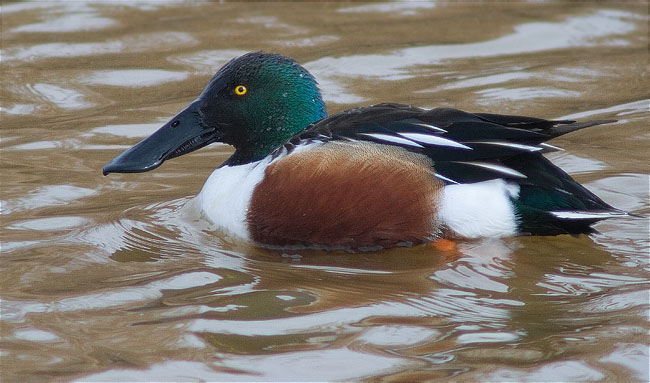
x=240, y=90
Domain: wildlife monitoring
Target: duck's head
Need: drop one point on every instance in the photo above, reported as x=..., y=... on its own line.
x=255, y=103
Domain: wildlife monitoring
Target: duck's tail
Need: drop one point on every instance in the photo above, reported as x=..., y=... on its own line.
x=551, y=202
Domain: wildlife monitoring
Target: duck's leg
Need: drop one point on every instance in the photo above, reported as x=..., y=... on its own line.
x=443, y=244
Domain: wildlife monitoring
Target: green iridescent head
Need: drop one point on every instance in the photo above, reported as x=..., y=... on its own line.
x=258, y=101
x=255, y=102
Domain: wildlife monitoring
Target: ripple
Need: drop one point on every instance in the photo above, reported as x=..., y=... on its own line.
x=331, y=320
x=394, y=335
x=161, y=230
x=574, y=31
x=128, y=130
x=567, y=371
x=145, y=291
x=156, y=41
x=272, y=22
x=128, y=295
x=466, y=307
x=619, y=301
x=575, y=285
x=61, y=97
x=331, y=364
x=68, y=23
x=26, y=6
x=132, y=78
x=206, y=62
x=633, y=356
x=36, y=145
x=634, y=107
x=487, y=337
x=36, y=335
x=19, y=109
x=403, y=8
x=499, y=78
x=50, y=223
x=498, y=95
x=463, y=276
x=132, y=240
x=50, y=195
x=573, y=164
x=307, y=41
x=87, y=5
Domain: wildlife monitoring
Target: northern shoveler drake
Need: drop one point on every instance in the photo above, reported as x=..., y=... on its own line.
x=381, y=175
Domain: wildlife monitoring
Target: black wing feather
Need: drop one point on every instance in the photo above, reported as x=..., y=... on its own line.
x=481, y=137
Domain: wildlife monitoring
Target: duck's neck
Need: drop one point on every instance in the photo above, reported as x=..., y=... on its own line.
x=272, y=131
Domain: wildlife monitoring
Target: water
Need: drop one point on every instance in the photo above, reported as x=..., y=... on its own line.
x=117, y=278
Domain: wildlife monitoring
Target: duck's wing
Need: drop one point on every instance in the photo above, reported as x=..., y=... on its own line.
x=474, y=147
x=465, y=147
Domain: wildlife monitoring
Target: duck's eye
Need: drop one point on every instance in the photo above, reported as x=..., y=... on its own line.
x=240, y=90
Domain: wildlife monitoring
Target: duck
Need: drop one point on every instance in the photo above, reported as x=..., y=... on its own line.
x=377, y=176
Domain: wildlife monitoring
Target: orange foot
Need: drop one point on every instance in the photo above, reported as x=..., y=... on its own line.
x=443, y=244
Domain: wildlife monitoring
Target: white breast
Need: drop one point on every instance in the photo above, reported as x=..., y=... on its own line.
x=227, y=193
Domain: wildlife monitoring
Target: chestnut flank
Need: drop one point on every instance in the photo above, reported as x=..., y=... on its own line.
x=351, y=194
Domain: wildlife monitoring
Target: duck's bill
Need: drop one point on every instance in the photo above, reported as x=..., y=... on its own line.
x=182, y=134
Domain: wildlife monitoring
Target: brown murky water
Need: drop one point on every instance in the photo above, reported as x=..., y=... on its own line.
x=111, y=278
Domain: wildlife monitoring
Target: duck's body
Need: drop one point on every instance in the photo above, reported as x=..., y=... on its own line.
x=382, y=175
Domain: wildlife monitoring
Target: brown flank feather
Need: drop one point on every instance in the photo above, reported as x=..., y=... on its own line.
x=350, y=194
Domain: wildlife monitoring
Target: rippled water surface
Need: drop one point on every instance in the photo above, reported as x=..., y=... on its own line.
x=117, y=278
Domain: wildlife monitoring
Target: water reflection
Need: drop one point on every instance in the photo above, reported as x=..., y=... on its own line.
x=630, y=356
x=132, y=77
x=129, y=130
x=157, y=41
x=49, y=195
x=635, y=107
x=403, y=8
x=67, y=23
x=333, y=364
x=492, y=95
x=85, y=6
x=59, y=96
x=574, y=31
x=206, y=62
x=572, y=370
x=121, y=278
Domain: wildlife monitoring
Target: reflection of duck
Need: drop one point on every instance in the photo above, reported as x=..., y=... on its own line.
x=373, y=176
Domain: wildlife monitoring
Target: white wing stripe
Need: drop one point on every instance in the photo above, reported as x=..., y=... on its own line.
x=496, y=168
x=427, y=126
x=549, y=146
x=433, y=140
x=445, y=178
x=393, y=139
x=509, y=145
x=587, y=214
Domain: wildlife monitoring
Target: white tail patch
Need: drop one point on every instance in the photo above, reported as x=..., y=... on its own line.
x=393, y=139
x=497, y=168
x=528, y=148
x=433, y=140
x=588, y=214
x=482, y=209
